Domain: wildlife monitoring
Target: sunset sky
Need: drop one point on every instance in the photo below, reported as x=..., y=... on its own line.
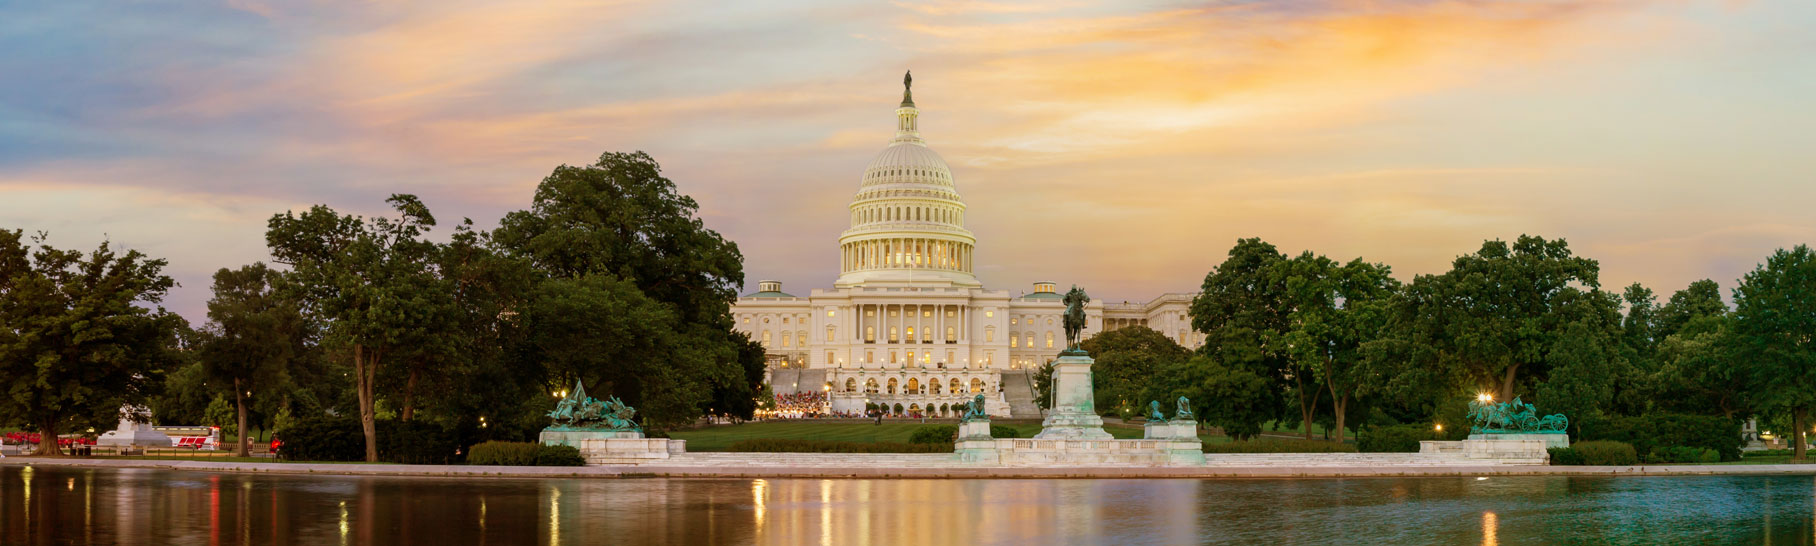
x=1121, y=146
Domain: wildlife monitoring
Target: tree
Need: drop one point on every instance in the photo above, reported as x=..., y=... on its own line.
x=1232, y=398
x=1495, y=315
x=1701, y=299
x=1127, y=360
x=1242, y=310
x=619, y=232
x=1333, y=310
x=1774, y=321
x=77, y=341
x=253, y=335
x=366, y=280
x=1700, y=372
x=1043, y=386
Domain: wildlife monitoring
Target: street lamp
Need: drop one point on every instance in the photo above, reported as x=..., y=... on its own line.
x=1484, y=398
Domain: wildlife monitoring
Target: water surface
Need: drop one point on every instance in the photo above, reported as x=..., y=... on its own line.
x=52, y=505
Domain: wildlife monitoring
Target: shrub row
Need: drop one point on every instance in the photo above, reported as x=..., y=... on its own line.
x=1681, y=454
x=1280, y=446
x=1648, y=432
x=1596, y=453
x=781, y=445
x=947, y=434
x=934, y=434
x=342, y=439
x=1393, y=439
x=524, y=454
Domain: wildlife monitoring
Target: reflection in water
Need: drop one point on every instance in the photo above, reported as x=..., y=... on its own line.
x=165, y=507
x=1488, y=528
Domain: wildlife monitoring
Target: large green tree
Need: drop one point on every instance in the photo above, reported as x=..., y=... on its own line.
x=371, y=281
x=77, y=338
x=1128, y=360
x=1228, y=397
x=1333, y=310
x=1701, y=299
x=1775, y=334
x=1242, y=309
x=254, y=333
x=624, y=247
x=1497, y=314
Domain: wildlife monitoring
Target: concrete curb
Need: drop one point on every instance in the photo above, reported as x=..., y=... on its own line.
x=953, y=472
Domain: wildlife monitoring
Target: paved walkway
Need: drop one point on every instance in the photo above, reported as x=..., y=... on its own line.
x=817, y=465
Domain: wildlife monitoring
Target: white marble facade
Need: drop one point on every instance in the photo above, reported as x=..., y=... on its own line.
x=907, y=322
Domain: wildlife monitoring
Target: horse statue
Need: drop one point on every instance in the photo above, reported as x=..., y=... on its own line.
x=975, y=411
x=1182, y=410
x=1513, y=418
x=1154, y=414
x=581, y=412
x=1075, y=301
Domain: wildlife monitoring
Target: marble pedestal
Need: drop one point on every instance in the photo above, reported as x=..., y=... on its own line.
x=1500, y=448
x=614, y=447
x=1074, y=413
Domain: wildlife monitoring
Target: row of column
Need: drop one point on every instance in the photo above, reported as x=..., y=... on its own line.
x=905, y=253
x=874, y=323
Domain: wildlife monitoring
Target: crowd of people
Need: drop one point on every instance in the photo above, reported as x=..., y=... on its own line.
x=801, y=404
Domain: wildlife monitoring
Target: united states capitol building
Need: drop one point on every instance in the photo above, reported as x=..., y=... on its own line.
x=907, y=323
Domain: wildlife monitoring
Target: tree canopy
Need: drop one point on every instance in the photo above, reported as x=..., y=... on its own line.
x=77, y=341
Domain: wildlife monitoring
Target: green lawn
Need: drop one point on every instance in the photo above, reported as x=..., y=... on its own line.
x=720, y=438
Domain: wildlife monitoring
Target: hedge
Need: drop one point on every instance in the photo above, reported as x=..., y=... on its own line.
x=934, y=434
x=780, y=445
x=1279, y=446
x=1393, y=439
x=1669, y=430
x=342, y=439
x=999, y=431
x=524, y=454
x=1606, y=453
x=1564, y=456
x=1681, y=454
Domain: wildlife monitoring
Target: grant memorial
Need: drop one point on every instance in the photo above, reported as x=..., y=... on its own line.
x=1073, y=434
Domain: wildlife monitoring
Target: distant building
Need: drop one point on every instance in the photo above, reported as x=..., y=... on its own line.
x=907, y=323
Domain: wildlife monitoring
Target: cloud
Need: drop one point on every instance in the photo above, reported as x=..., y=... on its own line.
x=1658, y=136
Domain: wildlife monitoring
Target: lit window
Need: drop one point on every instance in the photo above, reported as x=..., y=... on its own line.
x=787, y=340
x=1013, y=322
x=989, y=314
x=1049, y=340
x=892, y=334
x=989, y=335
x=766, y=338
x=1014, y=341
x=829, y=312
x=870, y=334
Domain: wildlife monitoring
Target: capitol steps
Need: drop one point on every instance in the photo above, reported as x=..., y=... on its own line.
x=1018, y=391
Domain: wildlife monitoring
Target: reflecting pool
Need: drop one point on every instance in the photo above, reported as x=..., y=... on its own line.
x=52, y=505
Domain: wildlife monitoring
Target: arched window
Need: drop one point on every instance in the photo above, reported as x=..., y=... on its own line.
x=851, y=384
x=766, y=338
x=1049, y=338
x=977, y=386
x=1030, y=340
x=953, y=387
x=1014, y=341
x=951, y=334
x=934, y=387
x=892, y=333
x=891, y=388
x=870, y=334
x=914, y=386
x=870, y=386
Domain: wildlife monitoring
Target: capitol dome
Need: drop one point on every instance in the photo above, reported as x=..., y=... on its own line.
x=907, y=219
